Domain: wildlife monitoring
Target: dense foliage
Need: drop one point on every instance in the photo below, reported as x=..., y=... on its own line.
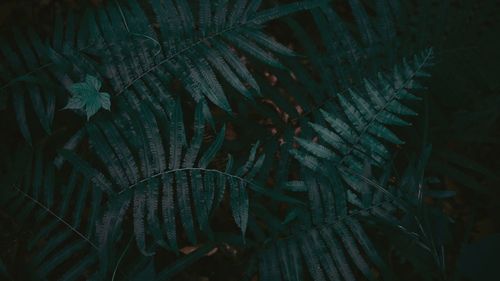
x=249, y=140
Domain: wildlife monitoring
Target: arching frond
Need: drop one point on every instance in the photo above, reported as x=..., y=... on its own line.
x=200, y=45
x=151, y=168
x=193, y=43
x=328, y=241
x=357, y=134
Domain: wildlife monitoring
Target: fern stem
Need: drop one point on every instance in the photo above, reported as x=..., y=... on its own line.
x=185, y=169
x=121, y=257
x=45, y=208
x=372, y=183
x=343, y=218
x=252, y=185
x=185, y=49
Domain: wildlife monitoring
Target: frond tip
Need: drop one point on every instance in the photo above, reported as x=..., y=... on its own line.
x=359, y=134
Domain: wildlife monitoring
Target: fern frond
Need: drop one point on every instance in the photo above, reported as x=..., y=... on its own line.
x=328, y=243
x=37, y=86
x=195, y=50
x=138, y=59
x=334, y=244
x=65, y=234
x=163, y=178
x=359, y=136
x=364, y=26
x=32, y=72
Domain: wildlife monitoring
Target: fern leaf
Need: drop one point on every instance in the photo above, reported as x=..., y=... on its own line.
x=253, y=49
x=238, y=10
x=205, y=16
x=236, y=64
x=209, y=154
x=218, y=63
x=168, y=209
x=190, y=56
x=139, y=206
x=190, y=190
x=196, y=141
x=284, y=10
x=364, y=127
x=333, y=244
x=27, y=67
x=239, y=204
x=362, y=21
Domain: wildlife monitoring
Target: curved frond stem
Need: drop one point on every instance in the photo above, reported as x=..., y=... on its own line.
x=185, y=49
x=340, y=219
x=121, y=258
x=150, y=38
x=122, y=15
x=372, y=183
x=319, y=106
x=252, y=185
x=134, y=33
x=190, y=169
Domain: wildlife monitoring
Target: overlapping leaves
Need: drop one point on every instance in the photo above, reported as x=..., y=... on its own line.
x=327, y=240
x=193, y=43
x=141, y=160
x=358, y=132
x=151, y=168
x=200, y=45
x=64, y=245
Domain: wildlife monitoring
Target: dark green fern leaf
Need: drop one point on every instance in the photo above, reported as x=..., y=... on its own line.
x=163, y=178
x=327, y=243
x=334, y=244
x=194, y=50
x=360, y=135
